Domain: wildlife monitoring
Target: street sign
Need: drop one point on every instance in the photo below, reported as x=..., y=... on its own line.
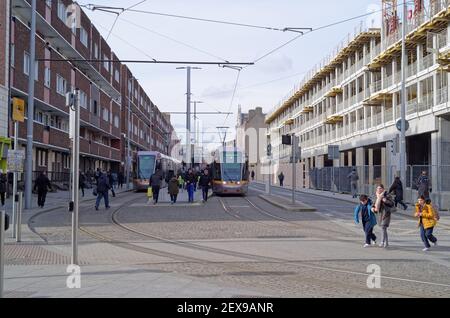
x=18, y=113
x=398, y=124
x=333, y=152
x=15, y=160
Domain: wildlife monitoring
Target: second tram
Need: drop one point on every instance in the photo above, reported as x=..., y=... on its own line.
x=230, y=171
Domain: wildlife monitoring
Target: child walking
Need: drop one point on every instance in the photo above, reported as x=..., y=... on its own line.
x=427, y=222
x=368, y=219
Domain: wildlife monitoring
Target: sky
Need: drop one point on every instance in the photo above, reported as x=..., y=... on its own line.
x=138, y=36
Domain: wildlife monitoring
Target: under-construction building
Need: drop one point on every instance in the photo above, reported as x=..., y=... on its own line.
x=352, y=101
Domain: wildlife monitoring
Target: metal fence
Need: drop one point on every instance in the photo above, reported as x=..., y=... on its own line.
x=337, y=179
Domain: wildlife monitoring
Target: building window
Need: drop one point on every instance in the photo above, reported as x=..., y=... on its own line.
x=105, y=114
x=48, y=3
x=116, y=121
x=83, y=100
x=95, y=108
x=65, y=161
x=13, y=55
x=41, y=158
x=105, y=62
x=84, y=37
x=61, y=85
x=117, y=76
x=26, y=63
x=62, y=14
x=47, y=77
x=95, y=51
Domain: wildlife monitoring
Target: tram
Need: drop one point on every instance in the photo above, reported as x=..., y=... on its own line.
x=230, y=171
x=148, y=162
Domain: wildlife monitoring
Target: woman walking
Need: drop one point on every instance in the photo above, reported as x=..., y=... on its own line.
x=382, y=207
x=190, y=180
x=173, y=189
x=427, y=222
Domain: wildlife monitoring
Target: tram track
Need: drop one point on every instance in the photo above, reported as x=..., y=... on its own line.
x=240, y=266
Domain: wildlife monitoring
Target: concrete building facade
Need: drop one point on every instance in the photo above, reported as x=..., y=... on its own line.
x=251, y=137
x=352, y=100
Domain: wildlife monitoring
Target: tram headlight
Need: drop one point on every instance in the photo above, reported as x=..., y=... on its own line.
x=224, y=183
x=238, y=182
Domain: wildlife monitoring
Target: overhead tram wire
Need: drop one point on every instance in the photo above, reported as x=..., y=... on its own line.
x=174, y=40
x=144, y=61
x=94, y=7
x=314, y=30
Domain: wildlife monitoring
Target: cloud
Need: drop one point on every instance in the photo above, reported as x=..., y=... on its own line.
x=275, y=65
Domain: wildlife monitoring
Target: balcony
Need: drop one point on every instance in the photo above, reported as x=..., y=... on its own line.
x=426, y=62
x=442, y=95
x=411, y=70
x=22, y=9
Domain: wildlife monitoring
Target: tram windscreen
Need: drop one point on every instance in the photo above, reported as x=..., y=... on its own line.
x=146, y=166
x=231, y=166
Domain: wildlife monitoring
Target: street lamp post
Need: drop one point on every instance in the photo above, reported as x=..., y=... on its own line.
x=188, y=109
x=402, y=148
x=195, y=120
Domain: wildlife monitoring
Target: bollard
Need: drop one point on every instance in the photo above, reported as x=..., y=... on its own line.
x=19, y=218
x=2, y=240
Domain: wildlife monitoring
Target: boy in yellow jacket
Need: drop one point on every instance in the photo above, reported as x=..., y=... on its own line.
x=427, y=222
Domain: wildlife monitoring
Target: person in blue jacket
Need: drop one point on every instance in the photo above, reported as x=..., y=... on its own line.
x=368, y=218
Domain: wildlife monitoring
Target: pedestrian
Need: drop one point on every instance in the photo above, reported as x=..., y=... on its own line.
x=423, y=185
x=120, y=179
x=3, y=187
x=383, y=207
x=205, y=183
x=190, y=184
x=97, y=175
x=368, y=219
x=42, y=184
x=427, y=222
x=111, y=183
x=181, y=182
x=103, y=187
x=81, y=182
x=155, y=183
x=173, y=189
x=353, y=177
x=397, y=189
x=281, y=178
x=253, y=175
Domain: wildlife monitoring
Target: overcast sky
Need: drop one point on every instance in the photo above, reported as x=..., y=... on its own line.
x=263, y=84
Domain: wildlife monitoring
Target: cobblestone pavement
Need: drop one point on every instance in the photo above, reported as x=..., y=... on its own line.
x=228, y=247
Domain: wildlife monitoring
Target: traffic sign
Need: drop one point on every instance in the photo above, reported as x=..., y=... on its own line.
x=333, y=152
x=18, y=113
x=399, y=125
x=15, y=160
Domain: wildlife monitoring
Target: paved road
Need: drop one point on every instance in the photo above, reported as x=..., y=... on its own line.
x=228, y=247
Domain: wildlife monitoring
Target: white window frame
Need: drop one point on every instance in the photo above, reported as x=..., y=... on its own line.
x=105, y=114
x=47, y=77
x=83, y=99
x=59, y=78
x=95, y=51
x=84, y=38
x=117, y=75
x=62, y=12
x=116, y=121
x=26, y=63
x=106, y=64
x=12, y=58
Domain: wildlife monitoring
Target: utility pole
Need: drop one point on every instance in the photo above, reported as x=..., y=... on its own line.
x=402, y=147
x=31, y=76
x=129, y=132
x=188, y=110
x=294, y=170
x=73, y=103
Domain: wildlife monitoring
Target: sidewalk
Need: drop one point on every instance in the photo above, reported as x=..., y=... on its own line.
x=346, y=198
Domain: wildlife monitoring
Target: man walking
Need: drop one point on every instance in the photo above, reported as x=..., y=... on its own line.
x=82, y=182
x=42, y=185
x=204, y=183
x=397, y=188
x=111, y=183
x=353, y=177
x=102, y=190
x=155, y=183
x=253, y=175
x=121, y=179
x=281, y=178
x=423, y=185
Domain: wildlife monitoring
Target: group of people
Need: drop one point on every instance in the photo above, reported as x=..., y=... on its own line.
x=90, y=178
x=188, y=180
x=379, y=212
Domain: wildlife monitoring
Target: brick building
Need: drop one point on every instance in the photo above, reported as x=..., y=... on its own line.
x=104, y=91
